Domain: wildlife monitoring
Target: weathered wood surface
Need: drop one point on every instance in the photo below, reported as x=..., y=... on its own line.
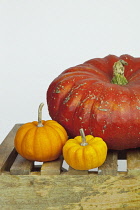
x=69, y=192
x=21, y=166
x=7, y=151
x=110, y=165
x=11, y=161
x=52, y=188
x=72, y=171
x=133, y=161
x=52, y=167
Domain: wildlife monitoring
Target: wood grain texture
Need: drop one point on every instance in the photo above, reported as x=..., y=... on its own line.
x=21, y=166
x=133, y=161
x=52, y=167
x=110, y=165
x=72, y=171
x=53, y=189
x=7, y=151
x=69, y=192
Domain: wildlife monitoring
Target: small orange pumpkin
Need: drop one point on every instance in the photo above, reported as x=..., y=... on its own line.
x=40, y=141
x=85, y=152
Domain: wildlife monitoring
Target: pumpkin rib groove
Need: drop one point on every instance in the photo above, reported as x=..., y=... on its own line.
x=133, y=78
x=85, y=156
x=98, y=63
x=59, y=127
x=70, y=92
x=51, y=95
x=131, y=113
x=95, y=151
x=116, y=121
x=76, y=157
x=61, y=130
x=111, y=116
x=90, y=108
x=81, y=105
x=25, y=139
x=17, y=139
x=92, y=115
x=62, y=99
x=71, y=155
x=58, y=133
x=34, y=141
x=90, y=69
x=96, y=98
x=94, y=112
x=26, y=133
x=64, y=104
x=37, y=141
x=98, y=156
x=52, y=147
x=48, y=143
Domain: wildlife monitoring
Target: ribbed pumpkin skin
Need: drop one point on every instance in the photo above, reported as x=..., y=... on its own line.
x=84, y=97
x=40, y=143
x=85, y=157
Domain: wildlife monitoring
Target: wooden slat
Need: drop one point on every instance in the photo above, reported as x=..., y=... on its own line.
x=7, y=151
x=109, y=167
x=72, y=171
x=21, y=166
x=52, y=167
x=133, y=161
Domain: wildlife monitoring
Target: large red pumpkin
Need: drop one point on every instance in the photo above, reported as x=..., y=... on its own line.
x=85, y=96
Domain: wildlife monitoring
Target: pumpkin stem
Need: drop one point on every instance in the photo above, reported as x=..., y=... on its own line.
x=40, y=115
x=84, y=143
x=118, y=73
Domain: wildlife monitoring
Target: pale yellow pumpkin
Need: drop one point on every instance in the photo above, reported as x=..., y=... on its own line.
x=85, y=152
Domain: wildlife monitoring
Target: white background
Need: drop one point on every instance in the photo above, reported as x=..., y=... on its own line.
x=41, y=38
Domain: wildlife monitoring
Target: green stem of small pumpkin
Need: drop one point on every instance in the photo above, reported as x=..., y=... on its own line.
x=40, y=115
x=84, y=143
x=118, y=73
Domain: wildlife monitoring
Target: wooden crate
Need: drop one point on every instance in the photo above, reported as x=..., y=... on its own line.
x=24, y=185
